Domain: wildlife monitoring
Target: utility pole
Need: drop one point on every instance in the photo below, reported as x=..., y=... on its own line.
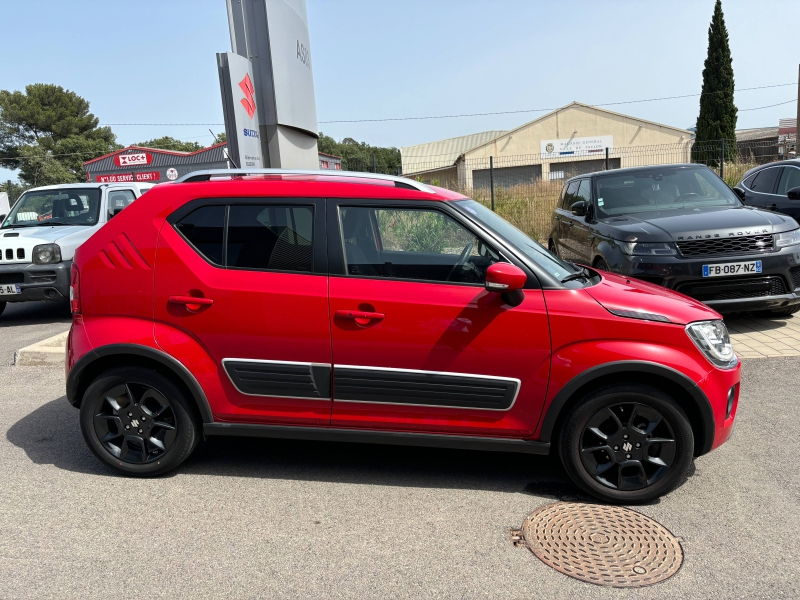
x=797, y=125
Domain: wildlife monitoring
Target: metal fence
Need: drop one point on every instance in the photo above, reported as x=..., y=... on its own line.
x=524, y=189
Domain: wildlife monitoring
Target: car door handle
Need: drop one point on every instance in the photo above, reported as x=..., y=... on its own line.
x=361, y=317
x=192, y=303
x=774, y=207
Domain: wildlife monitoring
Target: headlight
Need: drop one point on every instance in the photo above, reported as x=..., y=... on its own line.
x=46, y=254
x=648, y=248
x=712, y=339
x=790, y=238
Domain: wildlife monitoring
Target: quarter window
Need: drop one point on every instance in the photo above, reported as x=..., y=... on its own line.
x=276, y=238
x=789, y=179
x=764, y=182
x=417, y=244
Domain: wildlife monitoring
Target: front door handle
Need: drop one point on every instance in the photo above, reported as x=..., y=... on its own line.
x=774, y=207
x=361, y=317
x=192, y=303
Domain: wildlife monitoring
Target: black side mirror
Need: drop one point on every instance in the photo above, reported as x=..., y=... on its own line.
x=579, y=209
x=794, y=193
x=739, y=192
x=3, y=217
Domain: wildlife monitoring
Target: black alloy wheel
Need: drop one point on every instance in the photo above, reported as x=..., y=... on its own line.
x=138, y=421
x=627, y=446
x=627, y=443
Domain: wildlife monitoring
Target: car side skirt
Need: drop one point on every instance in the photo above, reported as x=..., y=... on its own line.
x=359, y=436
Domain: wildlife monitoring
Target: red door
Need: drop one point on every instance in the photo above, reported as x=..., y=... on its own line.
x=246, y=282
x=418, y=344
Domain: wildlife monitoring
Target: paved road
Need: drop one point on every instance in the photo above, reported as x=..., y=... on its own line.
x=259, y=518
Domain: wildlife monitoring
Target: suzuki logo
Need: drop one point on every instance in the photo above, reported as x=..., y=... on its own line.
x=135, y=423
x=249, y=100
x=627, y=446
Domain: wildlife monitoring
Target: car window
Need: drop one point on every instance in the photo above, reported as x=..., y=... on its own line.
x=749, y=181
x=418, y=244
x=276, y=238
x=790, y=178
x=569, y=196
x=119, y=199
x=764, y=182
x=584, y=192
x=204, y=228
x=43, y=208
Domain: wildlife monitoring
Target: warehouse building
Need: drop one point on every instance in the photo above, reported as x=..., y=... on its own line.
x=570, y=140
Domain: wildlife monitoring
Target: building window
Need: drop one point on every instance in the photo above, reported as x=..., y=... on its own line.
x=323, y=164
x=337, y=166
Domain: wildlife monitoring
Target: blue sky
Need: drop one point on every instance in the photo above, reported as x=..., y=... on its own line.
x=147, y=61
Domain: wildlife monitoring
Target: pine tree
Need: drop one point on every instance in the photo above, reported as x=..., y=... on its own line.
x=717, y=119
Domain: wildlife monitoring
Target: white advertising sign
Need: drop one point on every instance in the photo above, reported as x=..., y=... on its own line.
x=576, y=146
x=133, y=159
x=243, y=104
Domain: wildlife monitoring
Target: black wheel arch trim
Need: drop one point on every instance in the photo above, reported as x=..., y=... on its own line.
x=555, y=410
x=174, y=365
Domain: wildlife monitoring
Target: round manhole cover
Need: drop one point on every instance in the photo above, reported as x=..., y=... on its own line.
x=604, y=545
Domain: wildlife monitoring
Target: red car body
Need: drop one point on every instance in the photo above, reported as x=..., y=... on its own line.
x=145, y=296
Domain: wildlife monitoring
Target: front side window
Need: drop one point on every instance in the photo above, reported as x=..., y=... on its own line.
x=119, y=199
x=790, y=179
x=570, y=195
x=417, y=244
x=584, y=192
x=259, y=237
x=55, y=207
x=661, y=189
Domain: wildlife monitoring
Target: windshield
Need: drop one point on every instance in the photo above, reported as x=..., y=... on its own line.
x=55, y=207
x=660, y=189
x=532, y=249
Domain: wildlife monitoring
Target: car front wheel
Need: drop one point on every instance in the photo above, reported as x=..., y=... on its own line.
x=627, y=444
x=138, y=421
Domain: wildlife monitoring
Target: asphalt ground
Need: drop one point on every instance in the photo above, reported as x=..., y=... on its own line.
x=260, y=518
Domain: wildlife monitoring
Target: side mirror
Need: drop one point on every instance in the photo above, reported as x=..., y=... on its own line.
x=579, y=209
x=739, y=192
x=794, y=194
x=508, y=280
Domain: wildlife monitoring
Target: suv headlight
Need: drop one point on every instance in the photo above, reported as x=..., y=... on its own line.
x=648, y=248
x=712, y=339
x=789, y=238
x=46, y=254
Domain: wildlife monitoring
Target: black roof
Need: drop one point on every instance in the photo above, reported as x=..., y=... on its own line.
x=638, y=170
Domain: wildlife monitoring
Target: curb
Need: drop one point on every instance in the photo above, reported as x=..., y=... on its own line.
x=49, y=352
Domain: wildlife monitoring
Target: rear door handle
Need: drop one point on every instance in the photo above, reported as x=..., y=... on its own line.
x=192, y=303
x=361, y=317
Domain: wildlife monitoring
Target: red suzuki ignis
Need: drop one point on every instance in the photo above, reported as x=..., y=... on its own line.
x=365, y=308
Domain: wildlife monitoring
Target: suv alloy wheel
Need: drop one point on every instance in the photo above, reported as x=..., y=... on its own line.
x=627, y=444
x=138, y=421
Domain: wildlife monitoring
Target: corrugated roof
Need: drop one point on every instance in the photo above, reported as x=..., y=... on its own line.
x=445, y=151
x=743, y=135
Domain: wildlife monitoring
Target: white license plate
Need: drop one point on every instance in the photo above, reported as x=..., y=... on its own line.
x=738, y=268
x=10, y=288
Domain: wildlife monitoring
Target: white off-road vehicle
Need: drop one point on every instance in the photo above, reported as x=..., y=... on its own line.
x=39, y=236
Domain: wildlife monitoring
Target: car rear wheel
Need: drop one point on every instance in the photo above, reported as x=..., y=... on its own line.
x=777, y=312
x=138, y=421
x=601, y=265
x=627, y=444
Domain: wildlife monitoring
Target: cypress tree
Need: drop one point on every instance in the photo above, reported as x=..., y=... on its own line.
x=717, y=119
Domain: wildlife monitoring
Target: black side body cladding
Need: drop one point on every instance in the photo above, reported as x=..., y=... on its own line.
x=623, y=367
x=280, y=379
x=198, y=395
x=377, y=437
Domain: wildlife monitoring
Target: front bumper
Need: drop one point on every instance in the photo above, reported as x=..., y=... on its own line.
x=777, y=286
x=37, y=282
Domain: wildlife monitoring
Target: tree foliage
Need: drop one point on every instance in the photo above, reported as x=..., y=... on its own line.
x=717, y=119
x=358, y=156
x=169, y=143
x=47, y=133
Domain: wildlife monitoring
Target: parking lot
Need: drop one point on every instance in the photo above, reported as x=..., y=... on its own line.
x=261, y=518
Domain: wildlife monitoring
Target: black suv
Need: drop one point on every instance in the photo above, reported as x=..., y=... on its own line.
x=774, y=186
x=682, y=227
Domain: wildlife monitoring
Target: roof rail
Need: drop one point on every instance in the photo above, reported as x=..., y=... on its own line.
x=209, y=174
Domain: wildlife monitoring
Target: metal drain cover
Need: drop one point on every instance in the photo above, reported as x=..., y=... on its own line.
x=604, y=545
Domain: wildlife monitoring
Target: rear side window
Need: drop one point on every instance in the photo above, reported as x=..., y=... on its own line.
x=204, y=228
x=765, y=181
x=275, y=238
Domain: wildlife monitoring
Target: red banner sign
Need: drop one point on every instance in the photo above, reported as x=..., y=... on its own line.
x=116, y=178
x=136, y=159
x=148, y=176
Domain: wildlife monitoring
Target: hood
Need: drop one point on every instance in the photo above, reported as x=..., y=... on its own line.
x=616, y=292
x=691, y=224
x=22, y=240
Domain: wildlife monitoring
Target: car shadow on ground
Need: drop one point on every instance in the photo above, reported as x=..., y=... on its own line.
x=51, y=435
x=33, y=313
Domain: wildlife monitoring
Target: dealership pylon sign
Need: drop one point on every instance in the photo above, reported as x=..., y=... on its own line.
x=240, y=107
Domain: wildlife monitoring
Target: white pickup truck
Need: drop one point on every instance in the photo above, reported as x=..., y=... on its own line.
x=39, y=236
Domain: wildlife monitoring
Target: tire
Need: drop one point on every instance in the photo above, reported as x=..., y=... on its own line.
x=644, y=479
x=777, y=312
x=162, y=431
x=601, y=265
